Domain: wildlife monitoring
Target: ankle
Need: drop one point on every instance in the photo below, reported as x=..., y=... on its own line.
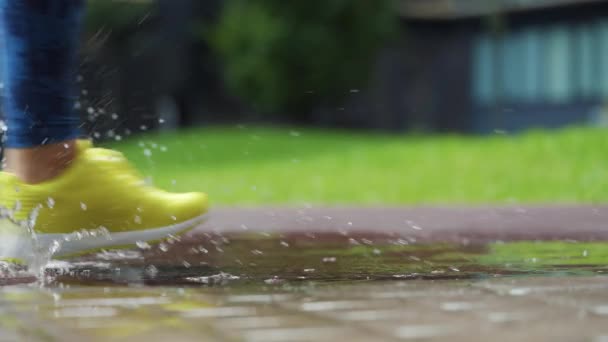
x=41, y=163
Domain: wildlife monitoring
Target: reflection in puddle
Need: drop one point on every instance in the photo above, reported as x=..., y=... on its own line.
x=93, y=311
x=263, y=259
x=281, y=259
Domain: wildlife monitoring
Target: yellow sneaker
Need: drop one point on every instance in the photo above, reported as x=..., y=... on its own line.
x=100, y=201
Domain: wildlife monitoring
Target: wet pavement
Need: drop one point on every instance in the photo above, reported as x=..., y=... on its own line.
x=277, y=274
x=504, y=309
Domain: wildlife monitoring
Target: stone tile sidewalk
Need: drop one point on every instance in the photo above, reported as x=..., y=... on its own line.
x=294, y=292
x=506, y=309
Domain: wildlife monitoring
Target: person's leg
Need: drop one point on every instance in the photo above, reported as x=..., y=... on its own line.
x=40, y=49
x=54, y=185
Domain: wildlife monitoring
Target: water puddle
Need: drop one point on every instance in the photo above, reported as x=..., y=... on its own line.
x=286, y=286
x=273, y=259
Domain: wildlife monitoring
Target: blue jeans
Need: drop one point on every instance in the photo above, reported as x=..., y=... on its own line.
x=39, y=55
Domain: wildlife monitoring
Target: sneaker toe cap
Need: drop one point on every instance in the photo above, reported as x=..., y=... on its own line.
x=189, y=205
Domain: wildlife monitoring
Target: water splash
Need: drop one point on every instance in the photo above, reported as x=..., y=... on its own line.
x=216, y=279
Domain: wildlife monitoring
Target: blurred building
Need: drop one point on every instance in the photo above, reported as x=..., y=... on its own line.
x=482, y=65
x=458, y=65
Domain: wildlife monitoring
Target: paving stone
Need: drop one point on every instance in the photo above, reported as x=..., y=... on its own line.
x=296, y=275
x=550, y=309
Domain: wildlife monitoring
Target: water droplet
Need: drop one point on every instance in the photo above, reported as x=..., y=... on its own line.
x=284, y=244
x=31, y=220
x=143, y=127
x=147, y=152
x=142, y=245
x=114, y=116
x=54, y=247
x=329, y=259
x=151, y=271
x=257, y=252
x=274, y=281
x=137, y=219
x=17, y=205
x=163, y=247
x=83, y=206
x=50, y=202
x=294, y=133
x=171, y=239
x=221, y=278
x=186, y=264
x=91, y=110
x=585, y=253
x=519, y=291
x=161, y=121
x=163, y=148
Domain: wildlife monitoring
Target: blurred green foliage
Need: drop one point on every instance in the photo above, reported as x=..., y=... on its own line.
x=115, y=15
x=539, y=254
x=287, y=55
x=261, y=166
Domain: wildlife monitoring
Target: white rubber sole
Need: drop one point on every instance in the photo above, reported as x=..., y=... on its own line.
x=18, y=245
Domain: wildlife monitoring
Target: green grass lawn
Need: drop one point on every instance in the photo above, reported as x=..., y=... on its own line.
x=295, y=166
